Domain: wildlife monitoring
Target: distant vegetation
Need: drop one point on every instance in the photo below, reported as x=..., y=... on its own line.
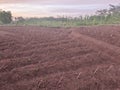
x=105, y=16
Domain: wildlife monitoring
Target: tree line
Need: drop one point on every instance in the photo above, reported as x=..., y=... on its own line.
x=104, y=16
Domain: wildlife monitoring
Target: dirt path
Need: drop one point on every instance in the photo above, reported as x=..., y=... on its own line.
x=102, y=46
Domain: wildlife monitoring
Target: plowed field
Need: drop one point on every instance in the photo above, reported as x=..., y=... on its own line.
x=37, y=58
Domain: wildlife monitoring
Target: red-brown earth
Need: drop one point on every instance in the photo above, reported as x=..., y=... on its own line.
x=37, y=58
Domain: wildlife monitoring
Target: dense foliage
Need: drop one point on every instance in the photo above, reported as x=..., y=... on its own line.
x=5, y=17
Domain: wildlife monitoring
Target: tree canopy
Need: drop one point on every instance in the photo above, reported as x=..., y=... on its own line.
x=5, y=17
x=114, y=9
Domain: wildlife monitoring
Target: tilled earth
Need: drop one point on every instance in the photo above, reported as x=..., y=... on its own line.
x=38, y=58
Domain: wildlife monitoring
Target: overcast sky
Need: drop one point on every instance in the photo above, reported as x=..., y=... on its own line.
x=44, y=8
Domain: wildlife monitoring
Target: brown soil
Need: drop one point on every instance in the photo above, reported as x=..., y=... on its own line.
x=37, y=58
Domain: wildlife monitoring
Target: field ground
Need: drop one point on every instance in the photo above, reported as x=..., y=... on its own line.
x=37, y=58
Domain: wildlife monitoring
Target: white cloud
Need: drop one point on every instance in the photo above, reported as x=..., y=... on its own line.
x=54, y=7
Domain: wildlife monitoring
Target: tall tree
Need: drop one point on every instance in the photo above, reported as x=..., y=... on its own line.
x=5, y=17
x=114, y=9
